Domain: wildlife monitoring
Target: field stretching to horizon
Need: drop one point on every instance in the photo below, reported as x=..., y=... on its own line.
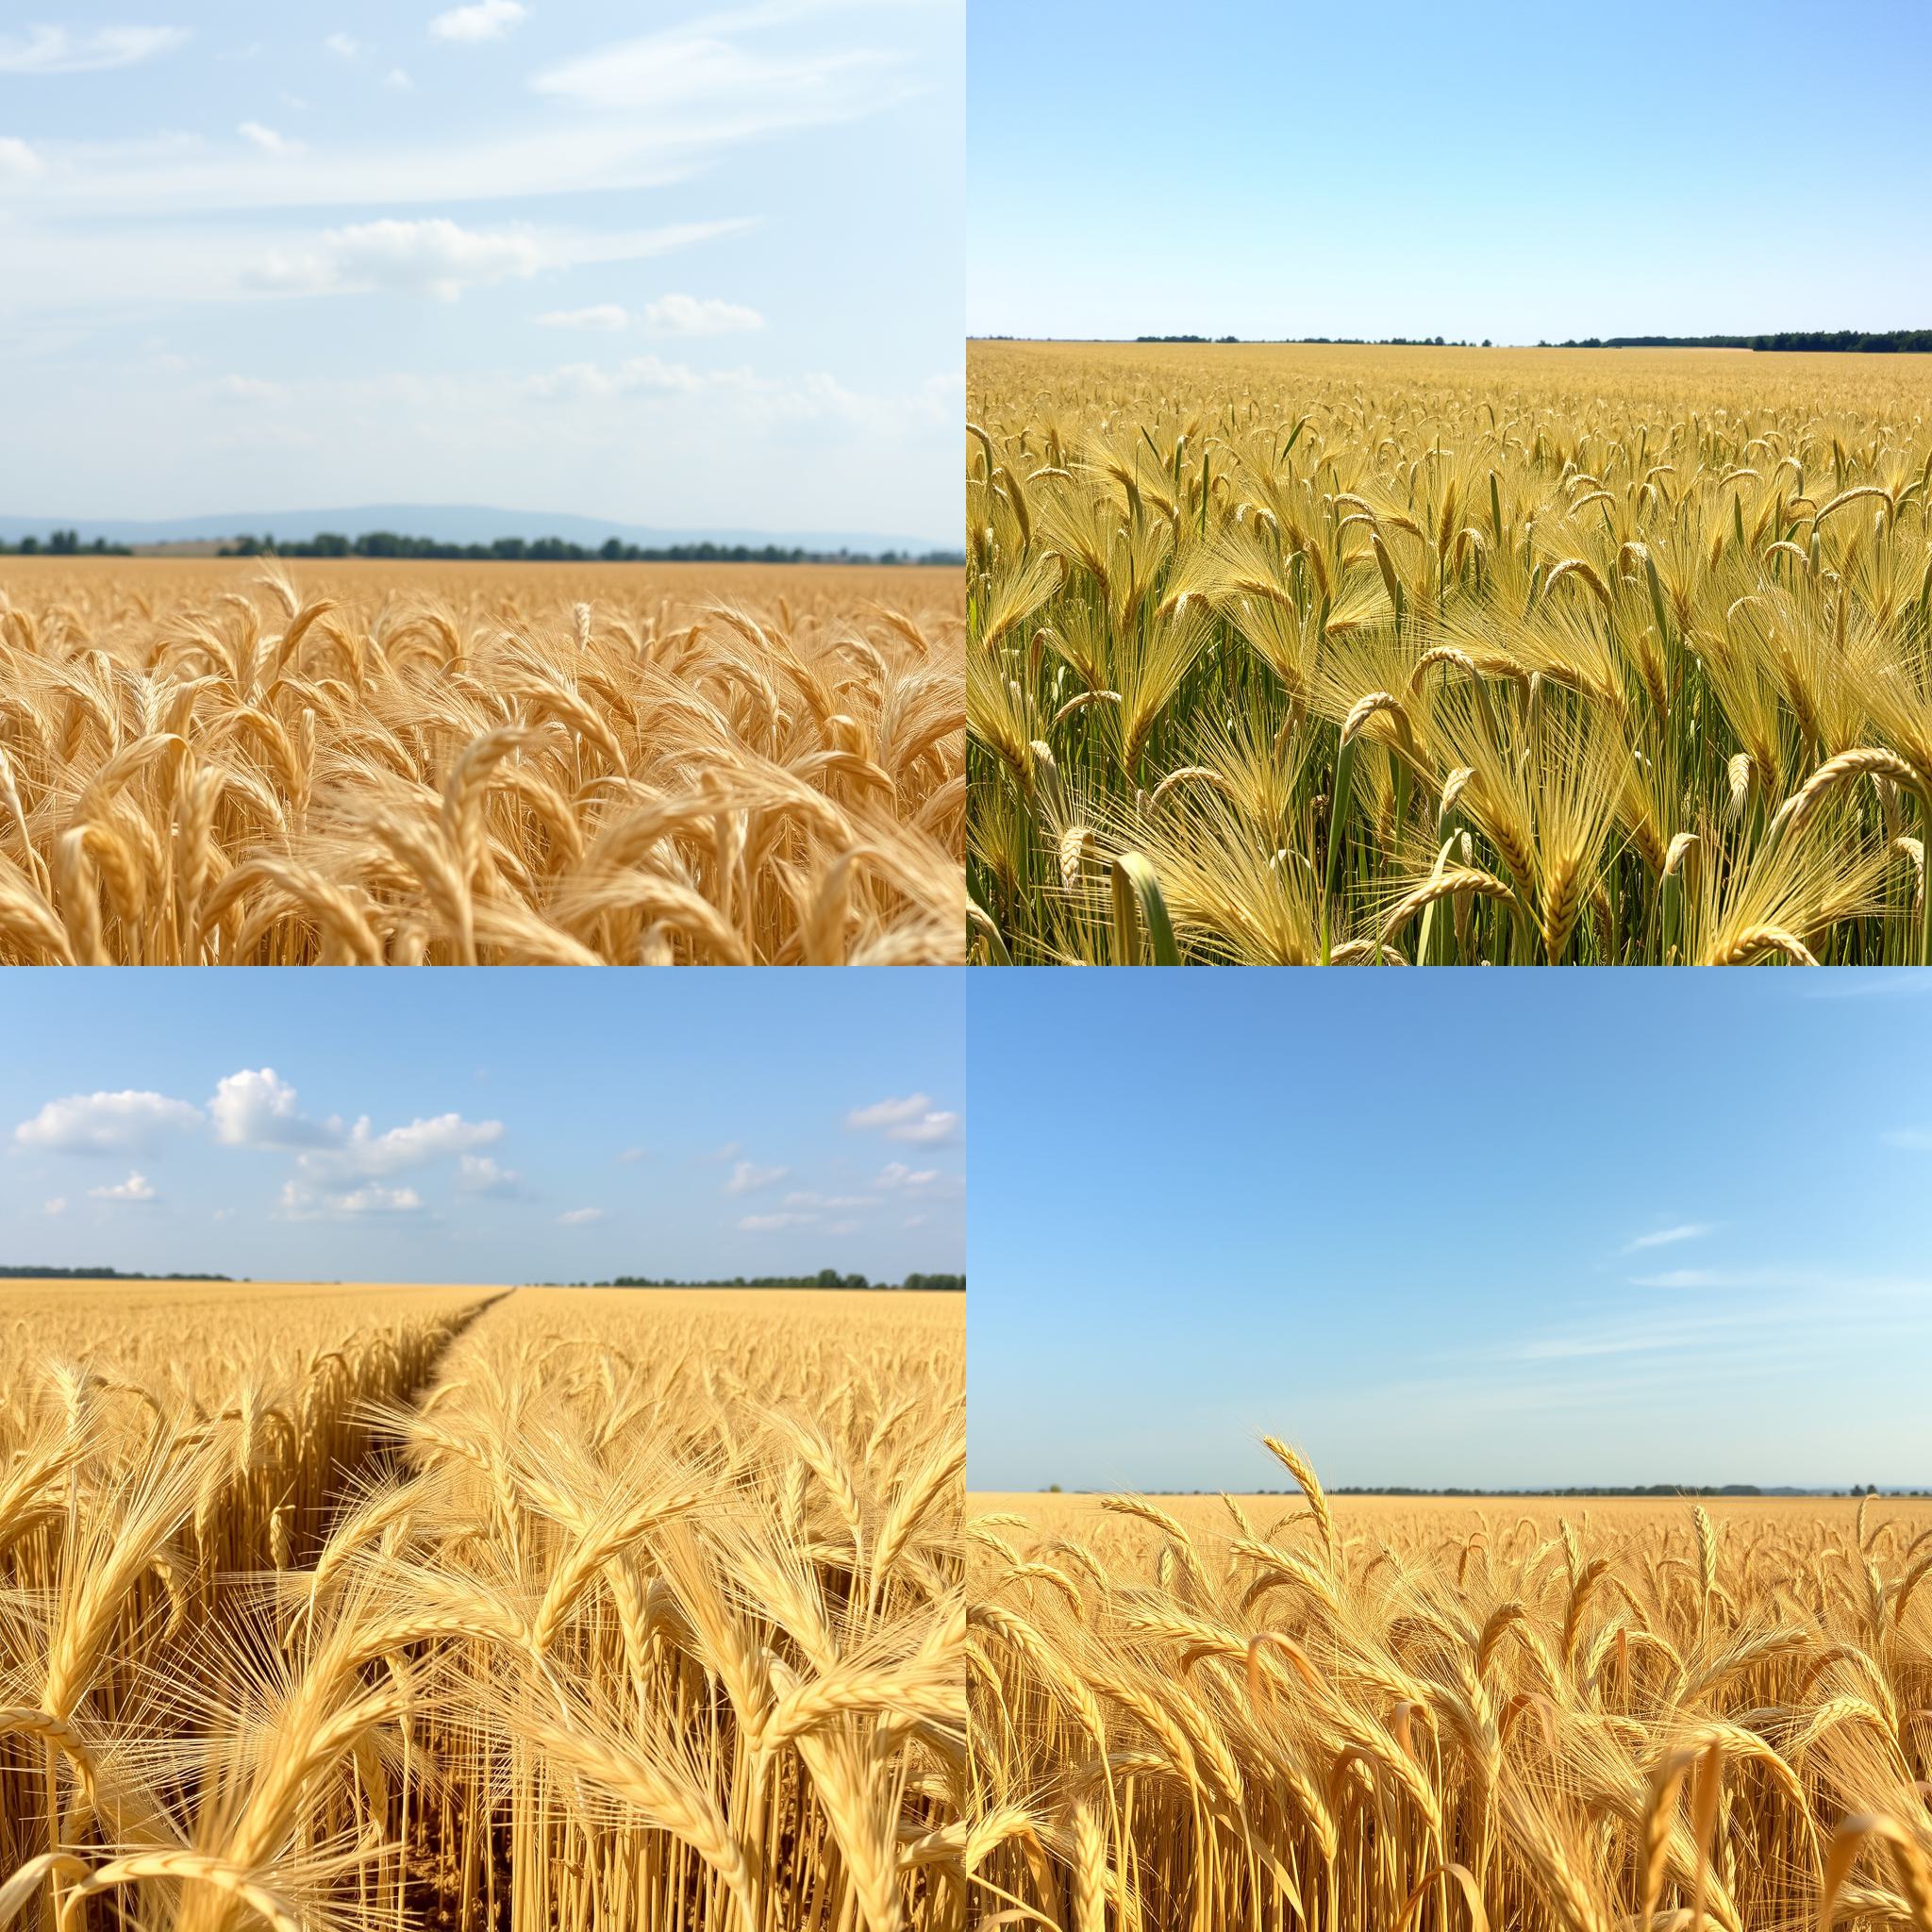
x=1294, y=655
x=1384, y=1713
x=240, y=761
x=544, y=1609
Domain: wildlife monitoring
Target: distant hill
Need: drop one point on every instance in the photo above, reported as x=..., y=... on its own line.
x=451, y=523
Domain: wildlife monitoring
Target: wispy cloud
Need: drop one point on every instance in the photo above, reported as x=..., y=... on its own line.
x=775, y=1224
x=55, y=1205
x=1669, y=1237
x=1865, y=986
x=1824, y=1283
x=245, y=262
x=599, y=315
x=579, y=1217
x=55, y=50
x=747, y=1177
x=1911, y=1140
x=700, y=69
x=268, y=138
x=897, y=1175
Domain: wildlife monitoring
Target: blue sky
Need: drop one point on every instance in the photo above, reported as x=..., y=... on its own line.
x=641, y=261
x=1449, y=1229
x=1271, y=168
x=507, y=1125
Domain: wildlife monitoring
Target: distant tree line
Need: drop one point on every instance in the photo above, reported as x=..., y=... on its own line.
x=63, y=543
x=1903, y=342
x=1657, y=1492
x=1356, y=341
x=98, y=1274
x=557, y=550
x=825, y=1277
x=1584, y=1490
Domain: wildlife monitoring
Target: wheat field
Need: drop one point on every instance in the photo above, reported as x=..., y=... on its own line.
x=215, y=762
x=538, y=1610
x=1385, y=1713
x=1311, y=654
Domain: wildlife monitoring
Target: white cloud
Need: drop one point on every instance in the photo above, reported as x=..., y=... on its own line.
x=1912, y=1139
x=690, y=315
x=647, y=373
x=914, y=1119
x=374, y=1199
x=18, y=161
x=57, y=1205
x=842, y=1227
x=773, y=1223
x=105, y=1123
x=300, y=1202
x=634, y=1153
x=806, y=1198
x=477, y=1174
x=896, y=1173
x=579, y=1217
x=346, y=45
x=55, y=50
x=398, y=82
x=487, y=20
x=267, y=139
x=914, y=1220
x=258, y=1108
x=888, y=1113
x=726, y=1152
x=364, y=1155
x=747, y=1177
x=1666, y=1237
x=135, y=1187
x=427, y=258
x=607, y=315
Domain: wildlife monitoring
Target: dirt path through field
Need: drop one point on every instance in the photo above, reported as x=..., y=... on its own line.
x=350, y=1480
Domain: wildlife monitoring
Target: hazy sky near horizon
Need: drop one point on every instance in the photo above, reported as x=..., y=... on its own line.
x=477, y=1127
x=653, y=262
x=1264, y=169
x=1458, y=1229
